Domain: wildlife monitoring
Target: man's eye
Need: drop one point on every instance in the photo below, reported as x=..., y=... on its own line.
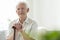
x=18, y=9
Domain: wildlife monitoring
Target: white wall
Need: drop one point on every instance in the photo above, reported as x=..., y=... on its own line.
x=46, y=13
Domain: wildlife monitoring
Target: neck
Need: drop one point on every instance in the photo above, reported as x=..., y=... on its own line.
x=22, y=19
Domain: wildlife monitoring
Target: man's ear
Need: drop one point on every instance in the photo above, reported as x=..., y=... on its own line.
x=16, y=11
x=28, y=10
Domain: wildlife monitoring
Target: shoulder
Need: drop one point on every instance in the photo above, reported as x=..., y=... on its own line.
x=13, y=22
x=33, y=22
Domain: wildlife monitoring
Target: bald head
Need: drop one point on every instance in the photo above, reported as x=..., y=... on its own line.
x=22, y=3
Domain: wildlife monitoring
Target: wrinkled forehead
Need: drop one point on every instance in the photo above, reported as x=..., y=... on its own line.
x=22, y=4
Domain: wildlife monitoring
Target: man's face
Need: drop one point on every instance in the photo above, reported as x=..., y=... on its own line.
x=22, y=10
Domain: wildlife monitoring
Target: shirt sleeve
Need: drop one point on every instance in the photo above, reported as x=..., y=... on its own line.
x=33, y=32
x=10, y=30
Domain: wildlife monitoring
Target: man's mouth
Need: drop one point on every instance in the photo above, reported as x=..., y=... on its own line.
x=21, y=13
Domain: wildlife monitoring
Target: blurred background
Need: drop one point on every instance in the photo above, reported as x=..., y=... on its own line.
x=45, y=12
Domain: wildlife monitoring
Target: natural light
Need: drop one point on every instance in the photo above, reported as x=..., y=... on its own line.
x=45, y=12
x=7, y=13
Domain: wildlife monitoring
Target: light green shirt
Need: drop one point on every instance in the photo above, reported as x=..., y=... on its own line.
x=30, y=27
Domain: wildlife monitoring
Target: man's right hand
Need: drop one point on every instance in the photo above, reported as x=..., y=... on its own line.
x=18, y=26
x=18, y=29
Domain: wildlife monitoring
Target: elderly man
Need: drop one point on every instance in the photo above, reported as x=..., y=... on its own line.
x=26, y=28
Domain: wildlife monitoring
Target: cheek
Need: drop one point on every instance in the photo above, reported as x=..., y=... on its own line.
x=25, y=11
x=17, y=12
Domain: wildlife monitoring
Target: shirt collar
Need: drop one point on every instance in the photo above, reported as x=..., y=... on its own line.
x=26, y=20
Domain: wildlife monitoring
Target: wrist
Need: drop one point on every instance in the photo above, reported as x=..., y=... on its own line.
x=22, y=31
